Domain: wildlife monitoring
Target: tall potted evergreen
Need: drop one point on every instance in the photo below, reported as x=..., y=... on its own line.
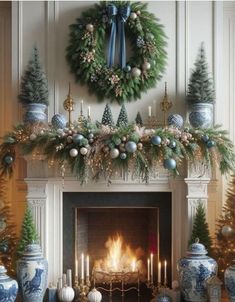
x=201, y=94
x=34, y=90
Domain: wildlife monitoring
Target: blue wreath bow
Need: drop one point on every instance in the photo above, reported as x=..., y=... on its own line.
x=117, y=15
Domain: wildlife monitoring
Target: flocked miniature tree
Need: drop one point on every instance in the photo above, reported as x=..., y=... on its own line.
x=34, y=86
x=28, y=232
x=200, y=87
x=107, y=118
x=7, y=231
x=225, y=235
x=200, y=229
x=122, y=118
x=139, y=120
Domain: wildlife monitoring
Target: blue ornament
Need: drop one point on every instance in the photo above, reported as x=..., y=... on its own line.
x=123, y=156
x=8, y=159
x=156, y=140
x=169, y=164
x=205, y=138
x=77, y=138
x=131, y=147
x=127, y=68
x=172, y=144
x=175, y=120
x=210, y=144
x=58, y=121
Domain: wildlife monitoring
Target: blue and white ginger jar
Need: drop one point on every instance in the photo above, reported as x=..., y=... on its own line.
x=35, y=113
x=32, y=271
x=201, y=115
x=193, y=271
x=229, y=281
x=8, y=286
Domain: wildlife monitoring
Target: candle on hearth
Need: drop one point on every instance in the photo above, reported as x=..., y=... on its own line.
x=89, y=111
x=69, y=277
x=148, y=270
x=76, y=268
x=150, y=111
x=87, y=266
x=165, y=272
x=151, y=267
x=159, y=273
x=82, y=266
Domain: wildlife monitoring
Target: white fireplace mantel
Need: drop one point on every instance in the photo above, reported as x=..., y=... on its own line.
x=45, y=197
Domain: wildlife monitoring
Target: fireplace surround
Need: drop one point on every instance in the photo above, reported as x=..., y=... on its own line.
x=46, y=198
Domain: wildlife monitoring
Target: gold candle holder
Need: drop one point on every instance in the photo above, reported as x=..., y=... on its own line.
x=152, y=122
x=81, y=289
x=69, y=106
x=165, y=105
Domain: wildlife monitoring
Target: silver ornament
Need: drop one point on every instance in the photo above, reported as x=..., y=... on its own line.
x=146, y=66
x=90, y=27
x=131, y=147
x=133, y=16
x=33, y=136
x=136, y=72
x=73, y=152
x=114, y=153
x=83, y=151
x=227, y=231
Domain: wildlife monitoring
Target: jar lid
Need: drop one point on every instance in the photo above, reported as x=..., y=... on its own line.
x=32, y=250
x=197, y=248
x=2, y=269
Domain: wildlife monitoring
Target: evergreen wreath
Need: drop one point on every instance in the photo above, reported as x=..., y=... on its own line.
x=86, y=53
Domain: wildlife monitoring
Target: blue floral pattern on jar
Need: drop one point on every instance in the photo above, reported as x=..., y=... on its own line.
x=8, y=287
x=229, y=280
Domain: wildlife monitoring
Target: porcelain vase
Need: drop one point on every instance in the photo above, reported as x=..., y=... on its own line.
x=201, y=115
x=8, y=286
x=35, y=112
x=32, y=270
x=193, y=271
x=229, y=281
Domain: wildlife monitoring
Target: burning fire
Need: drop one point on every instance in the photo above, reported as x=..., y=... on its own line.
x=120, y=257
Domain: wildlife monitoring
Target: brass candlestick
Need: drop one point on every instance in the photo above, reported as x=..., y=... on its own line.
x=69, y=105
x=165, y=105
x=82, y=289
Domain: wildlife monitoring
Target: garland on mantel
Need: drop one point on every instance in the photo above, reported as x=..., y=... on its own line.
x=92, y=150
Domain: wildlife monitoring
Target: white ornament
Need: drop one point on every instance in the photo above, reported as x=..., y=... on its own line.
x=66, y=294
x=94, y=296
x=146, y=66
x=33, y=136
x=83, y=151
x=73, y=152
x=90, y=27
x=114, y=153
x=136, y=72
x=133, y=16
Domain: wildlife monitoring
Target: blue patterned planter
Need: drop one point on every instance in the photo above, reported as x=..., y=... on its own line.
x=32, y=270
x=201, y=115
x=194, y=270
x=8, y=287
x=229, y=280
x=35, y=113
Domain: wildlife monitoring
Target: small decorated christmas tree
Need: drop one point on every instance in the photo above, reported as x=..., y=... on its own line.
x=225, y=235
x=200, y=87
x=28, y=232
x=107, y=118
x=201, y=229
x=34, y=86
x=139, y=120
x=122, y=118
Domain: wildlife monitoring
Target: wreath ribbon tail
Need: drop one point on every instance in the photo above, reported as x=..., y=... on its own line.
x=124, y=14
x=112, y=12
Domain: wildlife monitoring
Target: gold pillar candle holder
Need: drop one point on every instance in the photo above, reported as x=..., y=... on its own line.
x=69, y=106
x=166, y=105
x=81, y=289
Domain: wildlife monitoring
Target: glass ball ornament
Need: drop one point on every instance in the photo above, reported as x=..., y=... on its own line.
x=210, y=144
x=140, y=146
x=123, y=156
x=83, y=151
x=73, y=152
x=58, y=121
x=8, y=159
x=77, y=138
x=90, y=27
x=205, y=138
x=136, y=72
x=131, y=147
x=227, y=231
x=172, y=144
x=127, y=68
x=175, y=120
x=91, y=135
x=169, y=164
x=133, y=16
x=146, y=66
x=114, y=153
x=156, y=140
